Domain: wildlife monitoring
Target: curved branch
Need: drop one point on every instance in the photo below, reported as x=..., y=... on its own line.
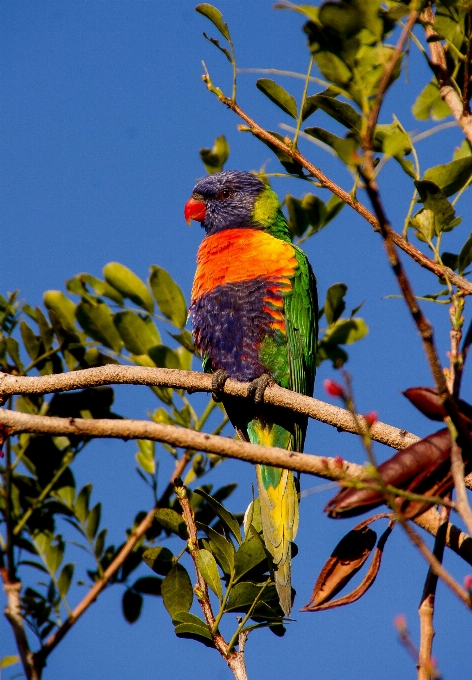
x=192, y=381
x=295, y=155
x=327, y=468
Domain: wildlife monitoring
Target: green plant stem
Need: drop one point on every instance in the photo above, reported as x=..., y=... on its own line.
x=235, y=637
x=302, y=103
x=223, y=603
x=41, y=358
x=68, y=458
x=459, y=193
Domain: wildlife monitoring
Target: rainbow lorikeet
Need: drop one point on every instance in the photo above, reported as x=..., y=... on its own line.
x=255, y=313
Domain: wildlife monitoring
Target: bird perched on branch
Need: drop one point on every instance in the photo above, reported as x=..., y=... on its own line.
x=255, y=314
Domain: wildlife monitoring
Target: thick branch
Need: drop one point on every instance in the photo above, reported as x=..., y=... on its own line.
x=446, y=88
x=198, y=382
x=327, y=468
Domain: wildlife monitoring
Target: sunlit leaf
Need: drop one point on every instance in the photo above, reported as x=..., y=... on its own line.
x=207, y=566
x=128, y=284
x=168, y=295
x=277, y=94
x=215, y=16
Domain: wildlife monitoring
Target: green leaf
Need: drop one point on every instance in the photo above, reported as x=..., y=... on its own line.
x=290, y=165
x=248, y=555
x=129, y=285
x=438, y=212
x=30, y=340
x=222, y=549
x=310, y=105
x=65, y=579
x=465, y=256
x=335, y=305
x=243, y=595
x=132, y=604
x=215, y=158
x=429, y=104
x=333, y=208
x=341, y=18
x=208, y=568
x=63, y=308
x=345, y=148
x=252, y=517
x=333, y=68
x=97, y=321
x=81, y=510
x=346, y=331
x=168, y=295
x=177, y=591
x=452, y=176
x=172, y=521
x=164, y=357
x=93, y=521
x=145, y=457
x=215, y=16
x=277, y=94
x=100, y=543
x=148, y=585
x=101, y=287
x=217, y=44
x=462, y=151
x=134, y=332
x=194, y=632
x=228, y=519
x=159, y=559
x=8, y=661
x=341, y=112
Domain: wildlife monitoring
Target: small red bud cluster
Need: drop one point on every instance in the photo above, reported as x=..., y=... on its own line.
x=468, y=582
x=339, y=462
x=371, y=418
x=333, y=388
x=400, y=623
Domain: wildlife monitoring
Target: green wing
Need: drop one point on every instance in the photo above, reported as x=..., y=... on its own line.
x=301, y=314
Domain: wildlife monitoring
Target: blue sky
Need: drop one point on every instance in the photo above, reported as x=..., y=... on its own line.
x=103, y=114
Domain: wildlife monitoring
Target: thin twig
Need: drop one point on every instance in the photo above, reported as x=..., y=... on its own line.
x=118, y=561
x=436, y=566
x=462, y=502
x=235, y=660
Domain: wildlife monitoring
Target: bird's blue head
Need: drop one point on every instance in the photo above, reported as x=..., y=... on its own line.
x=232, y=200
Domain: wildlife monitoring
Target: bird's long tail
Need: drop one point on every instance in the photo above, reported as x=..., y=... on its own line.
x=279, y=507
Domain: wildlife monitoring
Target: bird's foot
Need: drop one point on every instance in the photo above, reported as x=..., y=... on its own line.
x=218, y=380
x=257, y=388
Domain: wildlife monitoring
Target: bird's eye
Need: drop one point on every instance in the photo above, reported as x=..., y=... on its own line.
x=225, y=193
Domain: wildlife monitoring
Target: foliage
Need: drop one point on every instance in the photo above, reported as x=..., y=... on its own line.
x=120, y=319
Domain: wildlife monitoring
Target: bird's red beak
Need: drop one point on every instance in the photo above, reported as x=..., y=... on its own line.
x=194, y=210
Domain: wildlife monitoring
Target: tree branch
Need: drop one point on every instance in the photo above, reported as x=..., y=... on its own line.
x=447, y=91
x=295, y=155
x=52, y=642
x=193, y=381
x=426, y=609
x=324, y=467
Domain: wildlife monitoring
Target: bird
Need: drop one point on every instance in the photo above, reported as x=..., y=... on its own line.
x=254, y=311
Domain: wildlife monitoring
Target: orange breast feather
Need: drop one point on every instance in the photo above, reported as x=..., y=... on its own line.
x=237, y=255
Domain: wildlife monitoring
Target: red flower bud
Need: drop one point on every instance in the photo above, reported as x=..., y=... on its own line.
x=468, y=582
x=339, y=462
x=371, y=418
x=333, y=388
x=400, y=623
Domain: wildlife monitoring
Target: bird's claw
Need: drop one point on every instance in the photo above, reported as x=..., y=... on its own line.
x=257, y=388
x=218, y=380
